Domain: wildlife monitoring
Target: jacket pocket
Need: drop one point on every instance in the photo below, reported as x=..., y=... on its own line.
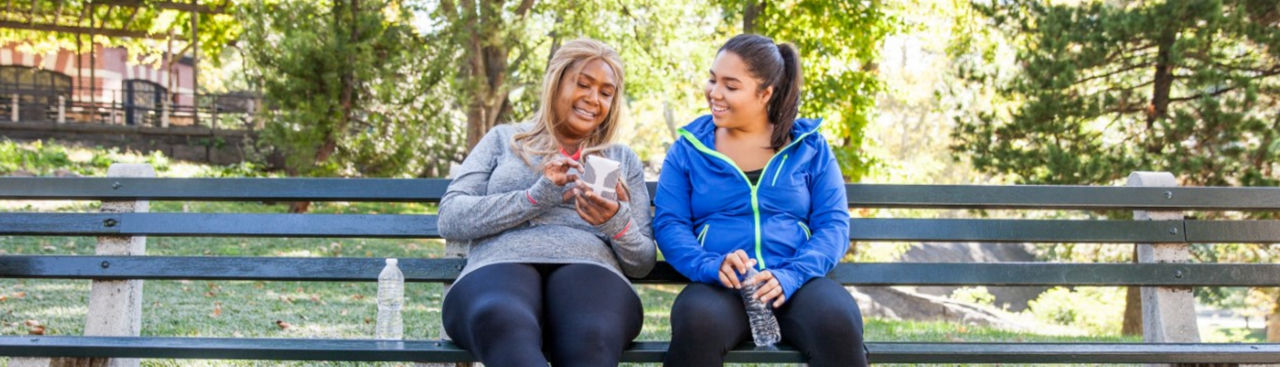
x=702, y=235
x=778, y=170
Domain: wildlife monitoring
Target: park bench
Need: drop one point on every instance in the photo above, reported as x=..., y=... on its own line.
x=1158, y=225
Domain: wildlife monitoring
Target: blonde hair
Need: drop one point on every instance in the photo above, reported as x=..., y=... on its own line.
x=539, y=141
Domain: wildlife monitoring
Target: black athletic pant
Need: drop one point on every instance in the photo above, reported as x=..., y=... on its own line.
x=526, y=314
x=821, y=320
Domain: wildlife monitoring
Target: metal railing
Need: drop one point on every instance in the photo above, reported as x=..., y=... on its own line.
x=235, y=111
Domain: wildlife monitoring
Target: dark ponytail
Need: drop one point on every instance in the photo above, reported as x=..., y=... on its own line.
x=774, y=65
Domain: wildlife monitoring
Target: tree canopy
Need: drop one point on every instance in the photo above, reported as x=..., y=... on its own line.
x=1189, y=87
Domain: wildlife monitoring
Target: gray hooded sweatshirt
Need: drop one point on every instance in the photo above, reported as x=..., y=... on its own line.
x=510, y=213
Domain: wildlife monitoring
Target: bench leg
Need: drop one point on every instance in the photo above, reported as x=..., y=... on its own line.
x=115, y=306
x=1168, y=313
x=451, y=249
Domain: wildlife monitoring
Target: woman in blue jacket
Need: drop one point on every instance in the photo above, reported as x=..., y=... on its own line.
x=752, y=185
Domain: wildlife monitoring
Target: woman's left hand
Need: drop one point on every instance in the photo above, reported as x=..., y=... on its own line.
x=770, y=290
x=592, y=207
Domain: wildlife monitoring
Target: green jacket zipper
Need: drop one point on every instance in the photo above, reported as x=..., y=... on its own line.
x=755, y=197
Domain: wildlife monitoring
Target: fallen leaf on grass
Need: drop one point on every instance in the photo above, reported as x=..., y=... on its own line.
x=36, y=330
x=217, y=309
x=358, y=297
x=32, y=323
x=368, y=320
x=283, y=325
x=20, y=295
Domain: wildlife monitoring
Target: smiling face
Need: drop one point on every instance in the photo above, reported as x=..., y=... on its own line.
x=584, y=99
x=734, y=95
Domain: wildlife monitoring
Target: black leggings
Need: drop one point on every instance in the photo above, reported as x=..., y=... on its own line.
x=526, y=314
x=821, y=320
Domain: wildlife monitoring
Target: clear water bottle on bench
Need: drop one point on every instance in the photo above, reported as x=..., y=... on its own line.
x=390, y=301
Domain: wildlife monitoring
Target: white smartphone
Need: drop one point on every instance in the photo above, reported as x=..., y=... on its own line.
x=602, y=175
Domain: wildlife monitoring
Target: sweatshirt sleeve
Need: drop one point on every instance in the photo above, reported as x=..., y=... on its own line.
x=829, y=220
x=468, y=211
x=629, y=232
x=673, y=222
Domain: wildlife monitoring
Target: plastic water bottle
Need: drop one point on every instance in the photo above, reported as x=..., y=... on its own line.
x=764, y=326
x=390, y=301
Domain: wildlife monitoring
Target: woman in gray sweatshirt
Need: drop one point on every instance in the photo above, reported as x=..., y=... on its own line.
x=548, y=261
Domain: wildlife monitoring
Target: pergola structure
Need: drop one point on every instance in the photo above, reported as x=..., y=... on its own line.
x=122, y=19
x=78, y=16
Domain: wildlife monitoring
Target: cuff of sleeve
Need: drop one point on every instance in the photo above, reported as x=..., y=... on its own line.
x=543, y=193
x=787, y=280
x=618, y=225
x=711, y=269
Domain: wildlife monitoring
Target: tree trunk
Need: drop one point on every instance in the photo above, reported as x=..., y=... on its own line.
x=1273, y=322
x=750, y=12
x=1162, y=83
x=1132, y=324
x=1132, y=312
x=487, y=69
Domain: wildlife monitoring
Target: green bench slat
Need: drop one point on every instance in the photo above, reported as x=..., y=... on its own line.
x=443, y=270
x=1245, y=231
x=219, y=225
x=438, y=351
x=1063, y=197
x=430, y=190
x=1015, y=230
x=893, y=352
x=424, y=226
x=223, y=189
x=322, y=269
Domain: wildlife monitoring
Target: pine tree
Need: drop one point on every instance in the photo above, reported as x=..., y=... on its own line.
x=1186, y=86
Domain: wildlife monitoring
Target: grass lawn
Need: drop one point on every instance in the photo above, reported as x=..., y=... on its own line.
x=316, y=309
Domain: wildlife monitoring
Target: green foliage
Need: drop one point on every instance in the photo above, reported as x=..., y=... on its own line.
x=1103, y=90
x=975, y=295
x=351, y=95
x=1097, y=310
x=36, y=158
x=42, y=158
x=158, y=161
x=666, y=47
x=216, y=31
x=242, y=169
x=838, y=54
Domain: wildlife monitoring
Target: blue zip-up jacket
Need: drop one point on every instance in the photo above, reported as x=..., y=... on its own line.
x=795, y=222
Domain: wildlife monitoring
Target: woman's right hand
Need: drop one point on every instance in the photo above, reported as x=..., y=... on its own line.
x=734, y=264
x=557, y=170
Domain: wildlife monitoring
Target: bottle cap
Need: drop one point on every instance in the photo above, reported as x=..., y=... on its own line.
x=392, y=261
